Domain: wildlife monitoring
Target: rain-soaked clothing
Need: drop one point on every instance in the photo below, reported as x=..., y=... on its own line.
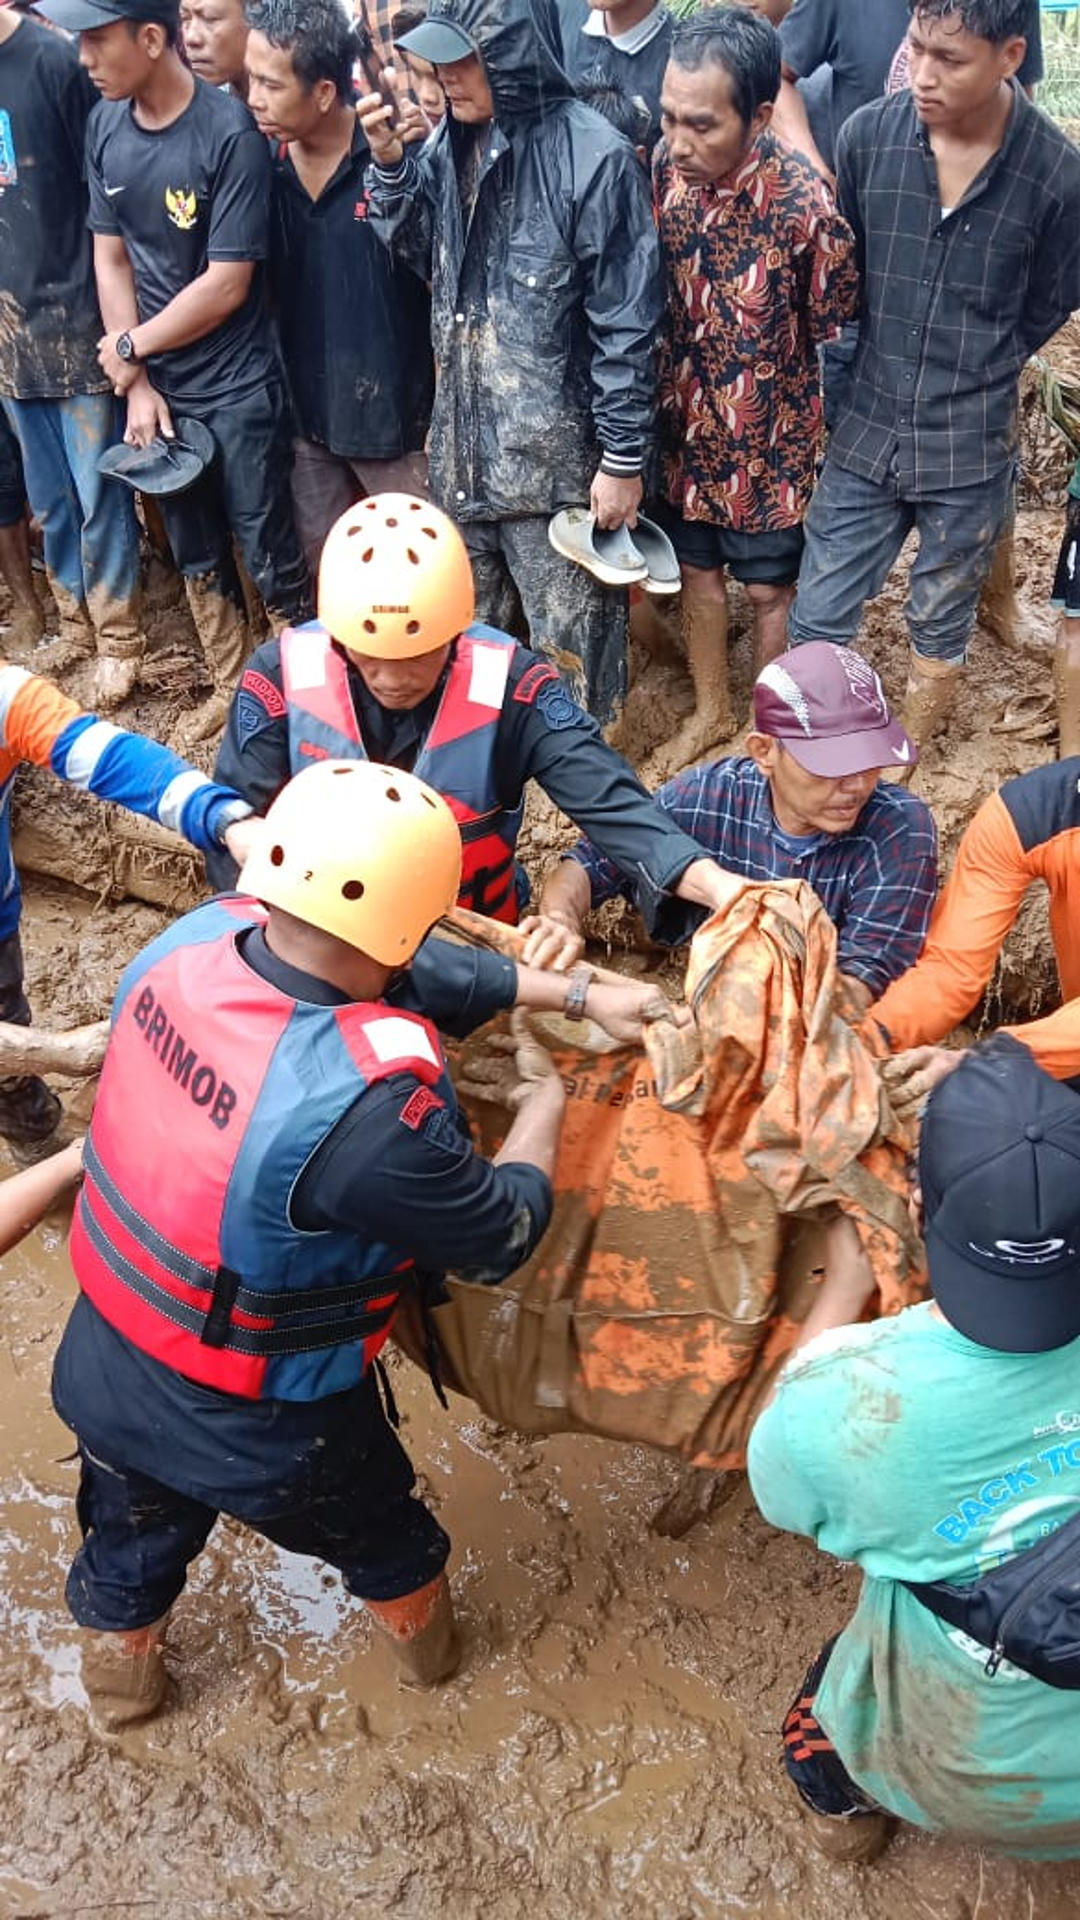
x=1029, y=830
x=538, y=239
x=671, y=1283
x=907, y=1448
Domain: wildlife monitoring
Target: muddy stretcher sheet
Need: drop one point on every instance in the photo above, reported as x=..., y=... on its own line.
x=691, y=1187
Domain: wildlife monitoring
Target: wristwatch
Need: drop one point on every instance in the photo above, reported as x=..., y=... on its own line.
x=125, y=348
x=578, y=982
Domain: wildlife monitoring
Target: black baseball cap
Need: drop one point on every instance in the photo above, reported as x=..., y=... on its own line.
x=82, y=16
x=999, y=1165
x=439, y=42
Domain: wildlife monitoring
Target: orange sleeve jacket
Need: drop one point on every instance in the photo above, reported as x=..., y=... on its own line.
x=1028, y=830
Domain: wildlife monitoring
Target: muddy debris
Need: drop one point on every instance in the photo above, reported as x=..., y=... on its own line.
x=611, y=1746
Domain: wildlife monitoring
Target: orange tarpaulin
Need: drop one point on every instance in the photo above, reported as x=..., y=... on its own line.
x=680, y=1258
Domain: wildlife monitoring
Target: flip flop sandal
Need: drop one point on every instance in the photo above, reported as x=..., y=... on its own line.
x=1031, y=716
x=659, y=556
x=608, y=554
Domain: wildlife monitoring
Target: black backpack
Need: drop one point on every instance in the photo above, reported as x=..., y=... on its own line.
x=1026, y=1611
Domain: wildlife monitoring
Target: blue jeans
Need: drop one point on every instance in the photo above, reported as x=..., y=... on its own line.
x=87, y=521
x=854, y=530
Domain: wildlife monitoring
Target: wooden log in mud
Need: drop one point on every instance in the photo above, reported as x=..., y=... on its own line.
x=39, y=1050
x=64, y=834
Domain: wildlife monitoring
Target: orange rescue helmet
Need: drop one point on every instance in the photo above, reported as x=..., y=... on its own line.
x=362, y=851
x=394, y=578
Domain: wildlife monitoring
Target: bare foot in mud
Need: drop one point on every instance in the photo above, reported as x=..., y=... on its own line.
x=692, y=741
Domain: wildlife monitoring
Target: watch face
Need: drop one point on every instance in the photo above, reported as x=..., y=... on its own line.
x=124, y=347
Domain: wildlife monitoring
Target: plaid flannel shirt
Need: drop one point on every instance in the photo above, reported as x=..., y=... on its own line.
x=952, y=306
x=877, y=882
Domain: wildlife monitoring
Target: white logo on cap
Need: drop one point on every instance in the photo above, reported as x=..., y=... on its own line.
x=779, y=681
x=902, y=753
x=863, y=681
x=1025, y=1253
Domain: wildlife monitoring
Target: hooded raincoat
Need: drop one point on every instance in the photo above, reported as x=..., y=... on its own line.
x=546, y=298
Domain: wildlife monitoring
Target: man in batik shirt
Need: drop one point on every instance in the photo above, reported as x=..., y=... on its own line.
x=760, y=271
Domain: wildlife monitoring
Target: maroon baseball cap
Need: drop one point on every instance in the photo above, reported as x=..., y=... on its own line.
x=828, y=707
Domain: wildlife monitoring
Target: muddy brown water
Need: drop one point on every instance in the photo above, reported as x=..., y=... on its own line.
x=611, y=1745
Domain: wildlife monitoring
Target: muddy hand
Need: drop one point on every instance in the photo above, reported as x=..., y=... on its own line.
x=549, y=942
x=625, y=1011
x=912, y=1076
x=615, y=502
x=512, y=1068
x=147, y=416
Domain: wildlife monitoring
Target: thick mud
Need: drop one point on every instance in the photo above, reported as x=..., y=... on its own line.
x=611, y=1745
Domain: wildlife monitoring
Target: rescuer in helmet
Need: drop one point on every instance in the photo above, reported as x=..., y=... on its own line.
x=395, y=670
x=275, y=1154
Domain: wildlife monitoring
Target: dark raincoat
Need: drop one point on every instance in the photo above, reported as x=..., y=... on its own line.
x=547, y=301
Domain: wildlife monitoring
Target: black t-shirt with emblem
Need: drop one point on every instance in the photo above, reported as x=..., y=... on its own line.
x=194, y=191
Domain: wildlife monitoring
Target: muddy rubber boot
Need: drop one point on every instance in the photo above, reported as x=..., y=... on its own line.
x=124, y=1674
x=422, y=1631
x=930, y=691
x=857, y=1838
x=1067, y=689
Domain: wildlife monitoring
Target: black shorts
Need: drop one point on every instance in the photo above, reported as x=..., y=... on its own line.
x=757, y=559
x=812, y=1763
x=1065, y=592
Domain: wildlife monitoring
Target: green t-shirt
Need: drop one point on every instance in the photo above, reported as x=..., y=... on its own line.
x=920, y=1456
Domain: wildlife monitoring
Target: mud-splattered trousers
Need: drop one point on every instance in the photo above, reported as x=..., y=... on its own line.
x=87, y=520
x=524, y=587
x=244, y=497
x=854, y=531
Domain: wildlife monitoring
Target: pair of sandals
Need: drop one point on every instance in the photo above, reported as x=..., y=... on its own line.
x=618, y=556
x=164, y=466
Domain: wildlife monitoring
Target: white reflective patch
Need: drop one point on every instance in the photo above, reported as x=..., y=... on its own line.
x=398, y=1039
x=487, y=682
x=307, y=660
x=11, y=679
x=86, y=751
x=176, y=795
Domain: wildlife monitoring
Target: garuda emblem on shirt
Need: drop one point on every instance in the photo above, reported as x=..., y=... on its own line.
x=181, y=207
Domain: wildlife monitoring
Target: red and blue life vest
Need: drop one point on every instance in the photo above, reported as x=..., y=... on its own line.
x=457, y=757
x=216, y=1091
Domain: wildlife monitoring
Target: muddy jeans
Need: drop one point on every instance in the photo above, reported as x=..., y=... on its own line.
x=524, y=587
x=29, y=1112
x=351, y=1505
x=854, y=531
x=245, y=496
x=87, y=520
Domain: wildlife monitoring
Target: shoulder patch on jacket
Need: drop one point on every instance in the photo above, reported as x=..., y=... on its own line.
x=532, y=680
x=265, y=692
x=556, y=705
x=417, y=1107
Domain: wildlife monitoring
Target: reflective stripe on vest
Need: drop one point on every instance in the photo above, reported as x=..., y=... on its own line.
x=457, y=757
x=216, y=1090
